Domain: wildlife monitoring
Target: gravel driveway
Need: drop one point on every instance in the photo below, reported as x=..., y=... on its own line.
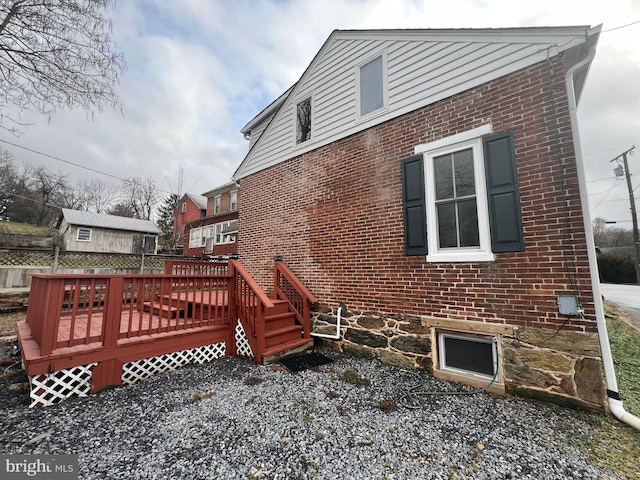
x=232, y=419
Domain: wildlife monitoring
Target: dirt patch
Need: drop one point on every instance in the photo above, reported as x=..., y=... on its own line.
x=8, y=322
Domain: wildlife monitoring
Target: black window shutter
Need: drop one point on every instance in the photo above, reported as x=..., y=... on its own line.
x=503, y=193
x=413, y=202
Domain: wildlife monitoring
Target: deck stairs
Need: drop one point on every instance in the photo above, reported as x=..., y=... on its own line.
x=283, y=335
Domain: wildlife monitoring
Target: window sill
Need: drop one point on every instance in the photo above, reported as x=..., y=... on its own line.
x=461, y=256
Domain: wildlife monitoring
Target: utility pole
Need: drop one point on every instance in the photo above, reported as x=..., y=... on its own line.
x=632, y=202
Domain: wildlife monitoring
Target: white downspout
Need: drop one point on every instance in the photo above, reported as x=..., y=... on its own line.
x=614, y=398
x=326, y=335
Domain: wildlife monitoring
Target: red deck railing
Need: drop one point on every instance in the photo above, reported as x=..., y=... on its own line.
x=251, y=304
x=288, y=287
x=111, y=319
x=85, y=309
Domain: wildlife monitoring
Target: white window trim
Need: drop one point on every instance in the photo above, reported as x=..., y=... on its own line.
x=441, y=335
x=217, y=204
x=84, y=239
x=296, y=101
x=233, y=205
x=385, y=87
x=469, y=139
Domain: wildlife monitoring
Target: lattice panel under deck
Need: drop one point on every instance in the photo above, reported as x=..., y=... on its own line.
x=242, y=344
x=133, y=372
x=54, y=387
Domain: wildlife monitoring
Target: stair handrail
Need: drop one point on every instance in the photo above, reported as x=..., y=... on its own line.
x=304, y=317
x=254, y=325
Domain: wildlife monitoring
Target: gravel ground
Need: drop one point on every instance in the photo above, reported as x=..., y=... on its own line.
x=232, y=419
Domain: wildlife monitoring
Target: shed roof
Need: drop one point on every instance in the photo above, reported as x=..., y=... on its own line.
x=113, y=222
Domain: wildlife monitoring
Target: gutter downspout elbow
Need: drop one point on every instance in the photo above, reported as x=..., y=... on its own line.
x=337, y=334
x=614, y=399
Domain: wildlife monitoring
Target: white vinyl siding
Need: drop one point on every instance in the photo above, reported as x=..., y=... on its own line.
x=420, y=69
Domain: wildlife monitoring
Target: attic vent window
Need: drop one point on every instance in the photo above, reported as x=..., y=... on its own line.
x=372, y=86
x=84, y=234
x=303, y=121
x=469, y=355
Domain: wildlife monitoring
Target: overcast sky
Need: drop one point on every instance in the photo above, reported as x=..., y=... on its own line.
x=198, y=70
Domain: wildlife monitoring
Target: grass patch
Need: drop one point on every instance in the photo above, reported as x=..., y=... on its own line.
x=610, y=443
x=625, y=349
x=24, y=229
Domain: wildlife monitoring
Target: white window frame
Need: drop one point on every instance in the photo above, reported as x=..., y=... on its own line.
x=84, y=229
x=183, y=207
x=233, y=203
x=385, y=87
x=442, y=364
x=461, y=141
x=299, y=99
x=217, y=201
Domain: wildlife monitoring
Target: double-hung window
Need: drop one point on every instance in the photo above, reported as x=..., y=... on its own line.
x=216, y=204
x=461, y=198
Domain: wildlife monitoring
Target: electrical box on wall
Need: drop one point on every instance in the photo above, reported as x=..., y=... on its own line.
x=568, y=305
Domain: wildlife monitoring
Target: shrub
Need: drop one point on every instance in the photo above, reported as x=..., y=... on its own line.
x=616, y=269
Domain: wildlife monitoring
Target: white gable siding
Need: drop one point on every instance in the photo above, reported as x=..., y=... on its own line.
x=420, y=70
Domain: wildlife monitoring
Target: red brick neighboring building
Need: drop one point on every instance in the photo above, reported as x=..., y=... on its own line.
x=426, y=183
x=191, y=207
x=215, y=233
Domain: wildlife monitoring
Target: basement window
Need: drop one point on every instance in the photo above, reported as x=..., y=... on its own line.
x=84, y=235
x=468, y=355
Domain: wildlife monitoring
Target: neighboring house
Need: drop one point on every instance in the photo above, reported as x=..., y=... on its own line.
x=215, y=233
x=95, y=232
x=426, y=182
x=191, y=207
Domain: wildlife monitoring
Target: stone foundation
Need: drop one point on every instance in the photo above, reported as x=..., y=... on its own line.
x=562, y=367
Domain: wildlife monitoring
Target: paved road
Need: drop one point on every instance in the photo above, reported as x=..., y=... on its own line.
x=624, y=295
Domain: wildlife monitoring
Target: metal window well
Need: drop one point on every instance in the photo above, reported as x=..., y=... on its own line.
x=54, y=387
x=133, y=372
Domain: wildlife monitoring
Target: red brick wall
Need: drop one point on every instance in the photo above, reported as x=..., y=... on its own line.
x=335, y=214
x=225, y=203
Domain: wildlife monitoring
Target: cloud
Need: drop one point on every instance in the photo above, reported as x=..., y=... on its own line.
x=198, y=70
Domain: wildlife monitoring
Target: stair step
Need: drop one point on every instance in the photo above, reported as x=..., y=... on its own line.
x=293, y=347
x=163, y=310
x=282, y=335
x=279, y=320
x=279, y=306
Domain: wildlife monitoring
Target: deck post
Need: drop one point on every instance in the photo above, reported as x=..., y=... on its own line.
x=232, y=308
x=51, y=319
x=112, y=313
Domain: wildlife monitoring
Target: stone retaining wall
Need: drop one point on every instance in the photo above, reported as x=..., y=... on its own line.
x=562, y=367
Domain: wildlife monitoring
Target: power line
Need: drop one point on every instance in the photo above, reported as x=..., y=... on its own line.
x=53, y=157
x=621, y=26
x=61, y=160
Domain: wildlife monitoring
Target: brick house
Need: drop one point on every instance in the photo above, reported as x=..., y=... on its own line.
x=424, y=184
x=191, y=207
x=215, y=233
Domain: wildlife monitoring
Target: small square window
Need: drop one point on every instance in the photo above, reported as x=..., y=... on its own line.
x=303, y=121
x=84, y=234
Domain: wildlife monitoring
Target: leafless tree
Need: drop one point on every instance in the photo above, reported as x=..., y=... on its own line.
x=93, y=196
x=140, y=195
x=55, y=54
x=609, y=236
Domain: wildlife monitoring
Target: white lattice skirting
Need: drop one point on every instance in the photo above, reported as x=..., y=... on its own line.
x=49, y=388
x=54, y=387
x=133, y=372
x=242, y=344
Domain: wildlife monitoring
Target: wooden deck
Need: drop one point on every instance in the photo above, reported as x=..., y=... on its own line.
x=119, y=319
x=78, y=320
